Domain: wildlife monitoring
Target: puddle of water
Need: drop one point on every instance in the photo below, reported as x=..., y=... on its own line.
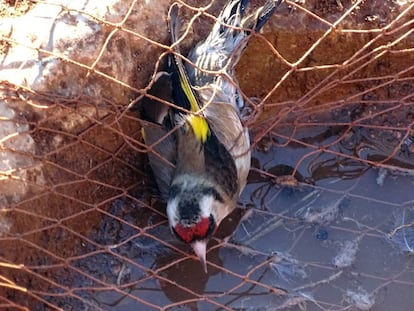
x=344, y=242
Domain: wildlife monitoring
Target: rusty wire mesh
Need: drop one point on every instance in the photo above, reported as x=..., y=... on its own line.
x=327, y=215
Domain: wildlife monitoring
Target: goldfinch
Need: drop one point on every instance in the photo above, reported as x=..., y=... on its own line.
x=201, y=151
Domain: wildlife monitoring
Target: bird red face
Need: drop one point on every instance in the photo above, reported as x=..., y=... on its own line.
x=191, y=210
x=198, y=231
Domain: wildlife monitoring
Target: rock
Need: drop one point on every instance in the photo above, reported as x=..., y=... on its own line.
x=63, y=64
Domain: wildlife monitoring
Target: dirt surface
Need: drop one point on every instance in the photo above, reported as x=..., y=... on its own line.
x=13, y=8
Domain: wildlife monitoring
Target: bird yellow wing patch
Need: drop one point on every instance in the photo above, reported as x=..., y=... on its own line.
x=183, y=92
x=197, y=123
x=199, y=126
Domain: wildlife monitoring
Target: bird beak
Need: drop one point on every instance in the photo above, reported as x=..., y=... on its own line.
x=199, y=248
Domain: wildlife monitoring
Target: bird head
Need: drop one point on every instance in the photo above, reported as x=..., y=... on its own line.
x=194, y=212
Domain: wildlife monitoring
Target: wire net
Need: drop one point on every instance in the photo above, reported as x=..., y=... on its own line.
x=326, y=220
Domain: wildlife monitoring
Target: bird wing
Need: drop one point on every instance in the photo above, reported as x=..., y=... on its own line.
x=183, y=93
x=162, y=155
x=155, y=128
x=224, y=121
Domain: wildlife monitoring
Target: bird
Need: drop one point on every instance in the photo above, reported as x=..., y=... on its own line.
x=200, y=150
